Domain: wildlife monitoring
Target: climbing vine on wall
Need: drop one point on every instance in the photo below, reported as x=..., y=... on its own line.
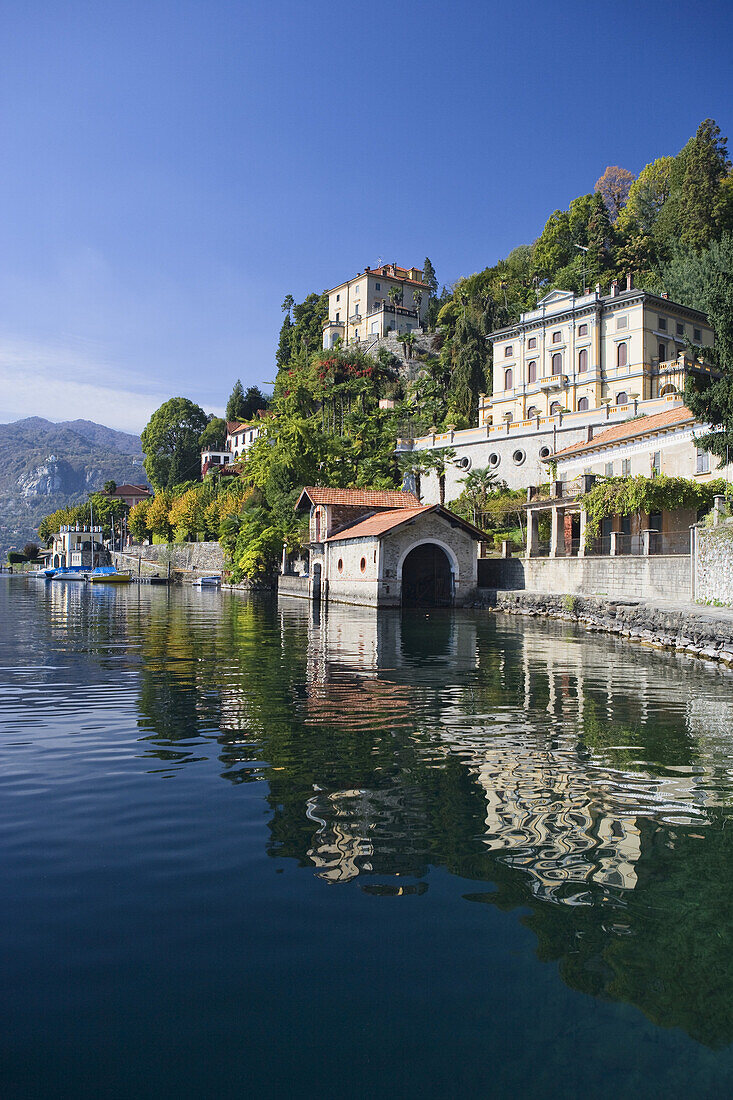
x=626, y=496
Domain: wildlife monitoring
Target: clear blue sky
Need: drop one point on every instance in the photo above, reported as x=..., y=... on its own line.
x=172, y=170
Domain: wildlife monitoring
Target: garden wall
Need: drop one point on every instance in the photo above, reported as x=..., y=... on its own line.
x=714, y=564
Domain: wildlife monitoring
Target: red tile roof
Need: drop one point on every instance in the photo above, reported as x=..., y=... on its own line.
x=643, y=425
x=366, y=498
x=132, y=490
x=380, y=524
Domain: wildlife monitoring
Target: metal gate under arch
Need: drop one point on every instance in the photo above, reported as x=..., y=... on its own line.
x=427, y=577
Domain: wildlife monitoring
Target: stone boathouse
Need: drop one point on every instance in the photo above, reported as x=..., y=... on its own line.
x=385, y=549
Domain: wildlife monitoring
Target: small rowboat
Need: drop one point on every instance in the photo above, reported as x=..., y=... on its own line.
x=207, y=582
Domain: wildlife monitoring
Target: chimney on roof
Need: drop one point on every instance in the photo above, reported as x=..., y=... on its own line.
x=589, y=433
x=367, y=269
x=598, y=288
x=630, y=281
x=614, y=288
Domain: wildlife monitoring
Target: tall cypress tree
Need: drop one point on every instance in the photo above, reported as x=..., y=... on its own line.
x=236, y=405
x=706, y=166
x=428, y=277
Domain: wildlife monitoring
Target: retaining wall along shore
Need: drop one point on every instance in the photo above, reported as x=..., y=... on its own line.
x=682, y=630
x=658, y=576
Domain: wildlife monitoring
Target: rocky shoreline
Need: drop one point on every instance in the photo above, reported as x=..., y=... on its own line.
x=678, y=630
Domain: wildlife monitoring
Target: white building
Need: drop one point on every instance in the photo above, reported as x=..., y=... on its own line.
x=240, y=437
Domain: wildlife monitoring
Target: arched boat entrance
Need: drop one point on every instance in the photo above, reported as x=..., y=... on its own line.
x=427, y=578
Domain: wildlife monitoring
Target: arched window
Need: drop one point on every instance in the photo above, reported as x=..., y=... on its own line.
x=531, y=412
x=508, y=379
x=621, y=354
x=557, y=363
x=583, y=359
x=622, y=398
x=532, y=371
x=555, y=408
x=583, y=405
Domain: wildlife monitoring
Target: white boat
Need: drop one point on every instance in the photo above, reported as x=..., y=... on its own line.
x=207, y=582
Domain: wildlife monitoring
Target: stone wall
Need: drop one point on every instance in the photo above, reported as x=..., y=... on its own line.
x=714, y=564
x=185, y=557
x=683, y=630
x=290, y=585
x=659, y=576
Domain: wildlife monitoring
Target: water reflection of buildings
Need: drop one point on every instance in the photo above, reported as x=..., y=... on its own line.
x=555, y=750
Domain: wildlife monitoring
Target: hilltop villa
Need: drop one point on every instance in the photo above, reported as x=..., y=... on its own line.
x=362, y=309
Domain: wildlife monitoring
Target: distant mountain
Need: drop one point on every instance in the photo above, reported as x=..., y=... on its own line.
x=45, y=466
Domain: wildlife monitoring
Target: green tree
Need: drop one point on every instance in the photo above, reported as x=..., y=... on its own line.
x=705, y=281
x=408, y=341
x=437, y=462
x=469, y=361
x=213, y=437
x=31, y=551
x=429, y=278
x=170, y=442
x=235, y=404
x=479, y=484
x=417, y=299
x=706, y=166
x=647, y=195
x=110, y=487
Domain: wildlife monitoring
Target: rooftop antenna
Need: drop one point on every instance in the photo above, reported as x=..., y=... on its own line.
x=379, y=261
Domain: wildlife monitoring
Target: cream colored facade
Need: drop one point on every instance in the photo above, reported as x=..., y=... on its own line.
x=361, y=310
x=673, y=452
x=575, y=353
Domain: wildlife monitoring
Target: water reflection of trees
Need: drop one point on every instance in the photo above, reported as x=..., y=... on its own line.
x=578, y=777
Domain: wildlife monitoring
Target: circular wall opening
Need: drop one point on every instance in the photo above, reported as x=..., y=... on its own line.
x=545, y=452
x=518, y=457
x=494, y=459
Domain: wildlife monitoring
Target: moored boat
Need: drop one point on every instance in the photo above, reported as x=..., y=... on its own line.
x=68, y=573
x=108, y=574
x=213, y=581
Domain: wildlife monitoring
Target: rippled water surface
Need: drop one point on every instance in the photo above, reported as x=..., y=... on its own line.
x=250, y=852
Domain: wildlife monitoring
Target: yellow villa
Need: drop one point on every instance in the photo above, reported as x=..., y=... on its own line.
x=574, y=353
x=362, y=309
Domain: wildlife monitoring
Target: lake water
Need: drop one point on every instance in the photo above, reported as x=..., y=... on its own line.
x=247, y=851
